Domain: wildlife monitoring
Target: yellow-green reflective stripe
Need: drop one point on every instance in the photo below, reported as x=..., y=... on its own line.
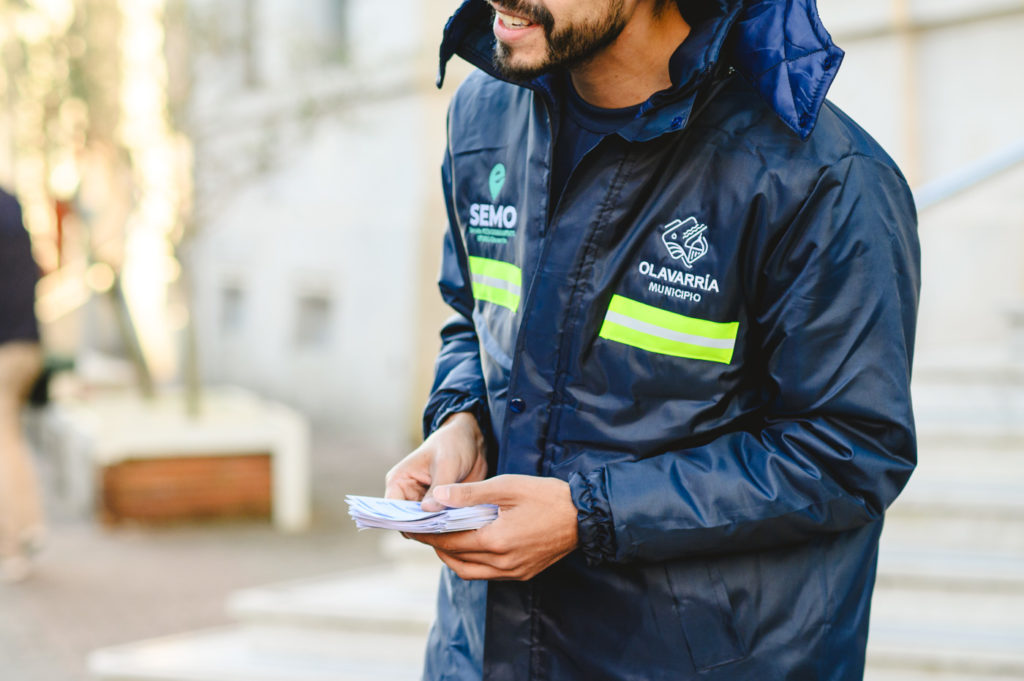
x=498, y=296
x=496, y=281
x=656, y=330
x=495, y=269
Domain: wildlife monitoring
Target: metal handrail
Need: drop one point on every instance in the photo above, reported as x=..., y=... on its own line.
x=969, y=176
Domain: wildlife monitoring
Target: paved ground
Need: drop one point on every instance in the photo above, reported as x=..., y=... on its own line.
x=97, y=586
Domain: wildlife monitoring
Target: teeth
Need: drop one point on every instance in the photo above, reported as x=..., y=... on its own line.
x=511, y=21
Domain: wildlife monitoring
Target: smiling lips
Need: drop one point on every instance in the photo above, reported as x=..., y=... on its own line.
x=512, y=21
x=509, y=27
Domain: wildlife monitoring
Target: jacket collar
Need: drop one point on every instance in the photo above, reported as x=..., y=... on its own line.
x=779, y=46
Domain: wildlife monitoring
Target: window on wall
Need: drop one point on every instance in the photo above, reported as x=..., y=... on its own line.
x=313, y=321
x=283, y=39
x=319, y=33
x=250, y=40
x=232, y=309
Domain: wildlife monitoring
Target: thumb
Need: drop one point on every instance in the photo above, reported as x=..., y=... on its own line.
x=492, y=491
x=445, y=472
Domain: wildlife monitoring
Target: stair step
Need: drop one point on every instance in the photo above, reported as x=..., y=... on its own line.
x=883, y=674
x=981, y=492
x=946, y=616
x=993, y=365
x=949, y=570
x=399, y=598
x=944, y=652
x=950, y=530
x=964, y=610
x=972, y=408
x=965, y=514
x=956, y=459
x=241, y=654
x=952, y=434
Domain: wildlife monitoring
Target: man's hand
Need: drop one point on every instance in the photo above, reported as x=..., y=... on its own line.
x=453, y=453
x=536, y=527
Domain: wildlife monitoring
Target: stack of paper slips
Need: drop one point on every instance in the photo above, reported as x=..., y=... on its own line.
x=407, y=516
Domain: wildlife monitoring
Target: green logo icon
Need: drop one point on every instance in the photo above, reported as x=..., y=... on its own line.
x=496, y=180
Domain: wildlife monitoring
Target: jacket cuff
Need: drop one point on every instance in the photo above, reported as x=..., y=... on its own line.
x=444, y=404
x=593, y=517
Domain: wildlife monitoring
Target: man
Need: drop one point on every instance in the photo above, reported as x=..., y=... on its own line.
x=21, y=519
x=685, y=290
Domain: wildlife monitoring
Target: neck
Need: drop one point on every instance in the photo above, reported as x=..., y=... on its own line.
x=635, y=66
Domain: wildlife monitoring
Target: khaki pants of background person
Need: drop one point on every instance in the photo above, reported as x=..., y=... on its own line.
x=21, y=517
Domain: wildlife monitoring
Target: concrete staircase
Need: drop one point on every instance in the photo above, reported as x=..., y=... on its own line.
x=948, y=606
x=949, y=603
x=366, y=625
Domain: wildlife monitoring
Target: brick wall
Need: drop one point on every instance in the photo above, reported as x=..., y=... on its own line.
x=184, y=488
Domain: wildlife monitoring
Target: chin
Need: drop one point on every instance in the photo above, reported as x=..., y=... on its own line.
x=520, y=67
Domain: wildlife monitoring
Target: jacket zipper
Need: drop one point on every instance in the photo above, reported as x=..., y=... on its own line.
x=558, y=397
x=531, y=291
x=548, y=222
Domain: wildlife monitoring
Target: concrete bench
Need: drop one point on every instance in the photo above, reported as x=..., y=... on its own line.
x=115, y=449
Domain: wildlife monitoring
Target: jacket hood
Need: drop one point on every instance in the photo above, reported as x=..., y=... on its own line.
x=779, y=46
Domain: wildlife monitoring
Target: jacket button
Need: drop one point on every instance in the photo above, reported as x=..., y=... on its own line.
x=517, y=406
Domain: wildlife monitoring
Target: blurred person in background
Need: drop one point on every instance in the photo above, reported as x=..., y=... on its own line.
x=685, y=289
x=21, y=518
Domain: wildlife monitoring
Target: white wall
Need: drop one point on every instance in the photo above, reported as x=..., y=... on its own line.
x=339, y=220
x=310, y=183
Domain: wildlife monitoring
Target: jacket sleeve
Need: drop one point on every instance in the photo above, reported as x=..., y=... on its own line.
x=834, y=311
x=458, y=377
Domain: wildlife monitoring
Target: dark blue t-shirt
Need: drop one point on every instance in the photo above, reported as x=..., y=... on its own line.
x=581, y=127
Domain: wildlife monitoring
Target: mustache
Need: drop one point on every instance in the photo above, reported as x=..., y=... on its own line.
x=537, y=14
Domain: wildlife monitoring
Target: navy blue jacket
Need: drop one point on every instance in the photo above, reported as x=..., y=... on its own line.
x=709, y=336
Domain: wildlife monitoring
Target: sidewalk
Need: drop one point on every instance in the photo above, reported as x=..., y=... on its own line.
x=96, y=586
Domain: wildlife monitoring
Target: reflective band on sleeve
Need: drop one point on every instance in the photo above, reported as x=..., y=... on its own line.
x=667, y=333
x=496, y=281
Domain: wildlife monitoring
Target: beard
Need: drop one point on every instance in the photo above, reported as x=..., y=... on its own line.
x=567, y=46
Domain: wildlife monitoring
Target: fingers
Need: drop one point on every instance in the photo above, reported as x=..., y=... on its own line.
x=500, y=490
x=500, y=569
x=536, y=526
x=446, y=470
x=409, y=478
x=429, y=503
x=452, y=453
x=488, y=545
x=404, y=487
x=454, y=542
x=468, y=570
